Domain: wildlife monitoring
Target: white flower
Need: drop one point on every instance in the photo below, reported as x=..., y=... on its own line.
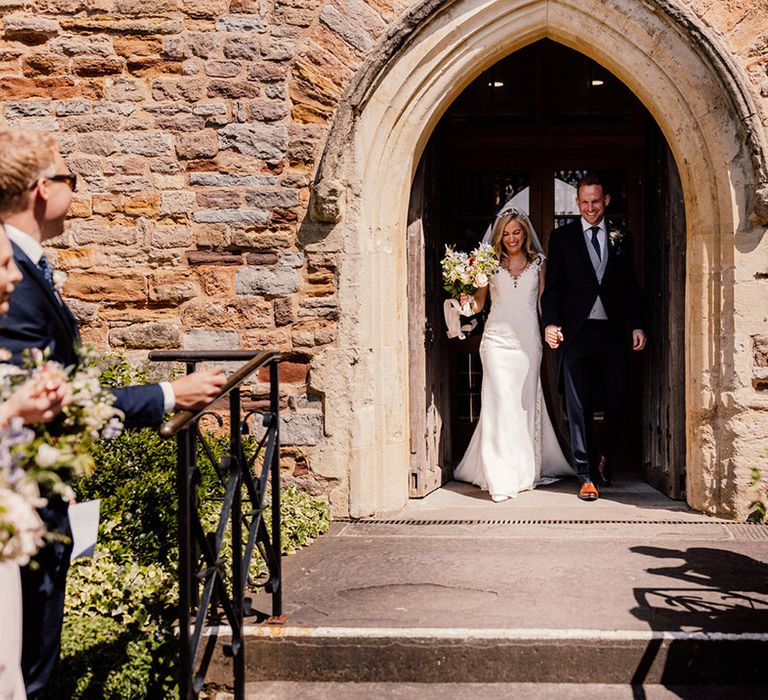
x=47, y=456
x=615, y=236
x=59, y=278
x=21, y=530
x=481, y=280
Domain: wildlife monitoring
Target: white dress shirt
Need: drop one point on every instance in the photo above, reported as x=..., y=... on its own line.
x=34, y=251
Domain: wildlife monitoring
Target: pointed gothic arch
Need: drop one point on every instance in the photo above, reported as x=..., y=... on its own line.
x=362, y=186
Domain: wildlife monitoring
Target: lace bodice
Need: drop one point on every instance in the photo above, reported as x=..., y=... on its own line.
x=514, y=301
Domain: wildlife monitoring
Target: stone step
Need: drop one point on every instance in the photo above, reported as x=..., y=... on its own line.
x=453, y=655
x=290, y=690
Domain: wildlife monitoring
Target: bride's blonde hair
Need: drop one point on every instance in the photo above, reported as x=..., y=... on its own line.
x=498, y=232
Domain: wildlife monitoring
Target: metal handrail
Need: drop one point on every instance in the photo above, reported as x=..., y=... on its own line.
x=200, y=561
x=183, y=419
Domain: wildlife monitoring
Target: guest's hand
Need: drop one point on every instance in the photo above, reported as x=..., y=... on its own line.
x=39, y=400
x=638, y=340
x=553, y=335
x=198, y=389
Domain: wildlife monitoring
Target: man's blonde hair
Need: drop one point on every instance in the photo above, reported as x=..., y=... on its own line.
x=24, y=157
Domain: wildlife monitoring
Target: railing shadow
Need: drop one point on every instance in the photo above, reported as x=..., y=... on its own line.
x=212, y=586
x=710, y=626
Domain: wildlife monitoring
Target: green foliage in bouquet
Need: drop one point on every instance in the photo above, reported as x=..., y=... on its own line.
x=121, y=605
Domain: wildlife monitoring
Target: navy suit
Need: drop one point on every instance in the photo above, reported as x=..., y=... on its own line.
x=570, y=291
x=37, y=318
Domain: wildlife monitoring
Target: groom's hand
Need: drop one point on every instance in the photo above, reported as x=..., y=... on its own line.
x=553, y=335
x=638, y=340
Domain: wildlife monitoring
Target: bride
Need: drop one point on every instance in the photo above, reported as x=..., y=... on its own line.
x=514, y=447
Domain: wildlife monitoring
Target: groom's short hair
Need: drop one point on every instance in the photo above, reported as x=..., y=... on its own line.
x=588, y=181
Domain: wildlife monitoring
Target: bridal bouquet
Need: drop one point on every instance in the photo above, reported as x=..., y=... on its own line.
x=465, y=273
x=45, y=457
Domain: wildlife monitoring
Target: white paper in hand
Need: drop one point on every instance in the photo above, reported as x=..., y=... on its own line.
x=84, y=519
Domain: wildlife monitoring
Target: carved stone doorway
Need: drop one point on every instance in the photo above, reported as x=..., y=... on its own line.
x=529, y=128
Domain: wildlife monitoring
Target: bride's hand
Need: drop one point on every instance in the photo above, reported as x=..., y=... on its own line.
x=467, y=299
x=553, y=335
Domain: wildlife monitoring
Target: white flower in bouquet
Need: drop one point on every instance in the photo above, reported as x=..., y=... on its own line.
x=47, y=456
x=21, y=530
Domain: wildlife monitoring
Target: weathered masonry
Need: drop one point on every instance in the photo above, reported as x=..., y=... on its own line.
x=251, y=179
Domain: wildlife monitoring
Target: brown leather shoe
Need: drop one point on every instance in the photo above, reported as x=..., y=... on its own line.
x=588, y=492
x=603, y=471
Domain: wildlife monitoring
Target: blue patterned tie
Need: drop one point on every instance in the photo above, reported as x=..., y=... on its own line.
x=595, y=242
x=47, y=269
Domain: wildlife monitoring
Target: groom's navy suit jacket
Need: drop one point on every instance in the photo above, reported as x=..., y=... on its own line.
x=38, y=319
x=571, y=285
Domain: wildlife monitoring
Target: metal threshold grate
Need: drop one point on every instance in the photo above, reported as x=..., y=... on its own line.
x=752, y=527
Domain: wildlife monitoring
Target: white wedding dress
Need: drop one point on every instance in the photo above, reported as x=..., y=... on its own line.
x=514, y=447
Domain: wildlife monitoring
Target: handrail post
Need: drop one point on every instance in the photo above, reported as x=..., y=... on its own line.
x=274, y=405
x=185, y=442
x=237, y=465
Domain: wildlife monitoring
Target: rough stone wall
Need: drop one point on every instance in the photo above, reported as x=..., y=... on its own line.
x=196, y=125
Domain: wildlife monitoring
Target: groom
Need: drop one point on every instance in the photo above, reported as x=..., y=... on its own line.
x=590, y=297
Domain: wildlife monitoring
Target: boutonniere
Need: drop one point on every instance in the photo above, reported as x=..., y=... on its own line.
x=615, y=236
x=59, y=278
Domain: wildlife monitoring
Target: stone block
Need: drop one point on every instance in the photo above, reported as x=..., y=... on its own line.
x=98, y=144
x=243, y=23
x=198, y=144
x=203, y=257
x=274, y=281
x=165, y=237
x=267, y=110
x=142, y=204
x=68, y=108
x=219, y=199
x=104, y=287
x=146, y=144
x=246, y=48
x=100, y=232
x=200, y=339
x=760, y=350
x=259, y=140
x=93, y=122
x=172, y=288
x=178, y=90
x=216, y=281
x=263, y=240
x=265, y=199
x=53, y=88
x=222, y=69
x=44, y=64
x=356, y=37
x=173, y=203
x=301, y=428
x=231, y=216
x=97, y=66
x=85, y=312
x=70, y=258
x=113, y=25
x=129, y=183
x=283, y=312
x=205, y=8
x=232, y=89
x=231, y=180
x=289, y=372
x=146, y=336
x=152, y=66
x=76, y=45
x=133, y=46
x=80, y=208
x=29, y=29
x=278, y=49
x=262, y=258
x=29, y=108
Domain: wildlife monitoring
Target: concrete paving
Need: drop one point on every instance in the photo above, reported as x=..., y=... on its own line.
x=632, y=589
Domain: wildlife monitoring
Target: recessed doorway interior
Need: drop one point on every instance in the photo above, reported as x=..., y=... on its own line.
x=528, y=129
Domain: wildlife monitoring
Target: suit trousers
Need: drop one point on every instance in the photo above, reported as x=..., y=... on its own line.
x=42, y=595
x=594, y=359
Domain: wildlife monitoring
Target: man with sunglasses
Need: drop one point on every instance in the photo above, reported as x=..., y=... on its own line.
x=36, y=189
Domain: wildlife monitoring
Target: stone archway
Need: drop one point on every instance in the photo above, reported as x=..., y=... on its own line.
x=363, y=185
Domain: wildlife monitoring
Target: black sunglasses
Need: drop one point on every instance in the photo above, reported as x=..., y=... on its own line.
x=69, y=178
